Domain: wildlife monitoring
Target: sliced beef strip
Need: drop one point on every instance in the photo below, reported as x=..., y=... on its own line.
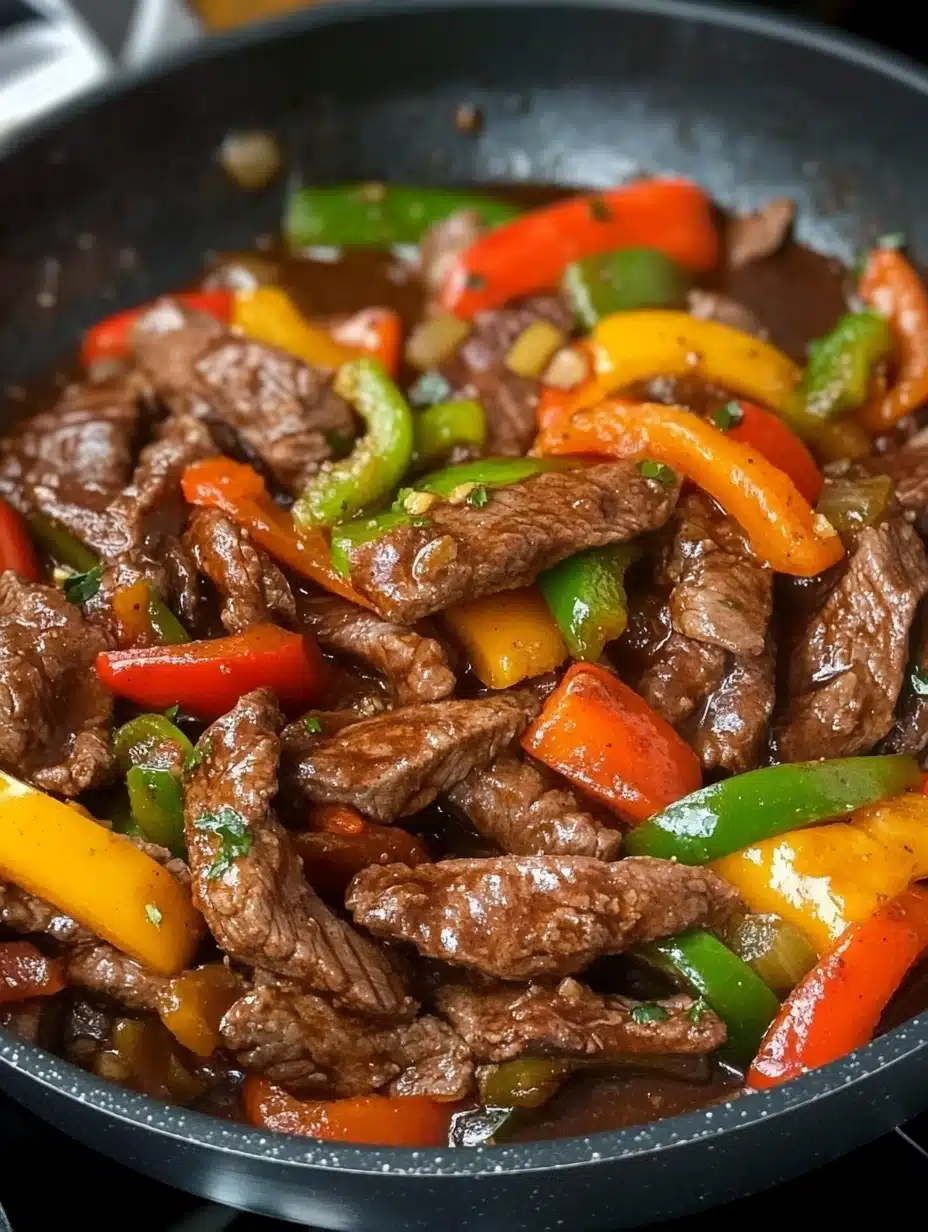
x=464, y=552
x=525, y=917
x=102, y=968
x=846, y=670
x=908, y=469
x=22, y=912
x=261, y=911
x=302, y=1042
x=524, y=810
x=33, y=1021
x=752, y=237
x=909, y=732
x=55, y=716
x=396, y=763
x=730, y=729
x=283, y=411
x=716, y=306
x=503, y=1022
x=416, y=666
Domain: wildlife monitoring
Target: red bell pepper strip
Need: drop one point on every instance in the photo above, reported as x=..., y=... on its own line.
x=112, y=337
x=373, y=331
x=530, y=253
x=26, y=972
x=16, y=550
x=775, y=441
x=601, y=735
x=892, y=286
x=410, y=1120
x=837, y=1006
x=342, y=842
x=207, y=678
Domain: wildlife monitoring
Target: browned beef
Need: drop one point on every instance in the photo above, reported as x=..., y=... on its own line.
x=909, y=732
x=31, y=1021
x=22, y=912
x=396, y=763
x=416, y=666
x=302, y=1042
x=569, y=1020
x=761, y=234
x=54, y=714
x=282, y=410
x=442, y=243
x=716, y=306
x=525, y=811
x=260, y=908
x=464, y=552
x=908, y=469
x=846, y=670
x=729, y=732
x=103, y=969
x=523, y=917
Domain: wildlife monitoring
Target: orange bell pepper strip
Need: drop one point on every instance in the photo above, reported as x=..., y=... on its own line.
x=342, y=842
x=530, y=253
x=837, y=1006
x=193, y=1004
x=607, y=740
x=410, y=1120
x=776, y=441
x=892, y=286
x=240, y=493
x=26, y=972
x=16, y=550
x=112, y=337
x=781, y=526
x=373, y=331
x=507, y=637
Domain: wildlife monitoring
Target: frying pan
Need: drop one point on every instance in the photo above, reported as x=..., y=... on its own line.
x=119, y=197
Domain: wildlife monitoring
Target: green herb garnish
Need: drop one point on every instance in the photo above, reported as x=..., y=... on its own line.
x=83, y=586
x=697, y=1010
x=918, y=682
x=649, y=1011
x=154, y=915
x=728, y=416
x=430, y=389
x=478, y=496
x=312, y=724
x=657, y=470
x=171, y=713
x=234, y=837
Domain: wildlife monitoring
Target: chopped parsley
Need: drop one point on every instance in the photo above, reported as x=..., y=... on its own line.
x=312, y=724
x=696, y=1010
x=600, y=210
x=649, y=1011
x=728, y=416
x=478, y=496
x=234, y=838
x=430, y=389
x=83, y=586
x=154, y=915
x=193, y=759
x=421, y=521
x=918, y=682
x=657, y=470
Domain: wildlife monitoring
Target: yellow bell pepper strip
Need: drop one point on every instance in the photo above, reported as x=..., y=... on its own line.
x=268, y=314
x=98, y=877
x=829, y=877
x=507, y=637
x=192, y=1005
x=144, y=619
x=782, y=527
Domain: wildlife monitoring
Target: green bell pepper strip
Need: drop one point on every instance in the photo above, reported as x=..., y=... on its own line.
x=60, y=544
x=167, y=628
x=378, y=461
x=527, y=1082
x=838, y=372
x=363, y=530
x=447, y=425
x=586, y=596
x=152, y=752
x=622, y=281
x=718, y=820
x=707, y=968
x=378, y=215
x=142, y=741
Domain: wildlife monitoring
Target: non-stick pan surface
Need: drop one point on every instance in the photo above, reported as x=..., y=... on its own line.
x=120, y=198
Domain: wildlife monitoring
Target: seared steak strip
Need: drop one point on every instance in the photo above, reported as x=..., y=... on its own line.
x=104, y=969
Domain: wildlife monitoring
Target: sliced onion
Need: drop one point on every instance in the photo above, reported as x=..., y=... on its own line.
x=568, y=369
x=435, y=340
x=529, y=354
x=251, y=159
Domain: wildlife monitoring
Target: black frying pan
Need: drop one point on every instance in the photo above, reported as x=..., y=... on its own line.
x=119, y=198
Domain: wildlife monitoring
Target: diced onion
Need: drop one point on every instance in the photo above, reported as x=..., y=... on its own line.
x=529, y=354
x=435, y=340
x=568, y=369
x=251, y=159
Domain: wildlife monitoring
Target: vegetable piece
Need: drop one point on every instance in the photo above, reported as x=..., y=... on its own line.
x=207, y=678
x=776, y=950
x=447, y=426
x=240, y=493
x=377, y=463
x=774, y=440
x=193, y=1004
x=96, y=876
x=892, y=287
x=378, y=1119
x=16, y=550
x=840, y=439
x=379, y=215
x=608, y=741
x=269, y=315
x=60, y=544
x=569, y=368
x=352, y=534
x=342, y=842
x=586, y=596
x=710, y=970
x=838, y=374
x=838, y=1005
x=851, y=504
x=250, y=159
x=112, y=338
x=488, y=472
x=782, y=528
x=144, y=618
x=156, y=802
x=377, y=332
x=507, y=637
x=531, y=253
x=535, y=346
x=435, y=340
x=631, y=278
x=482, y=1126
x=26, y=972
x=141, y=741
x=528, y=1082
x=143, y=1055
x=727, y=816
x=824, y=879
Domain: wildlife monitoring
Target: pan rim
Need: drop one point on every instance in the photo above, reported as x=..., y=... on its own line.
x=487, y=1163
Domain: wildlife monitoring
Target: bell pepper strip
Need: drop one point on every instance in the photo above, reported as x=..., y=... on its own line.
x=98, y=877
x=153, y=753
x=208, y=678
x=891, y=286
x=586, y=596
x=622, y=281
x=26, y=972
x=828, y=877
x=839, y=371
x=193, y=1004
x=342, y=842
x=773, y=948
x=726, y=816
x=447, y=426
x=16, y=550
x=410, y=1120
x=377, y=332
x=531, y=253
x=485, y=473
x=60, y=545
x=240, y=493
x=378, y=461
x=507, y=637
x=710, y=970
x=150, y=740
x=837, y=1007
x=774, y=440
x=783, y=530
x=607, y=740
x=851, y=504
x=112, y=338
x=362, y=530
x=269, y=315
x=144, y=619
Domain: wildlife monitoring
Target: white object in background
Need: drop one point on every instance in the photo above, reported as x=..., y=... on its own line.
x=159, y=27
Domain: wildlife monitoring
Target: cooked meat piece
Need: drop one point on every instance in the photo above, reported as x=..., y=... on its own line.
x=252, y=588
x=22, y=912
x=54, y=714
x=464, y=552
x=569, y=1020
x=281, y=409
x=442, y=243
x=415, y=666
x=846, y=672
x=261, y=909
x=397, y=763
x=908, y=469
x=909, y=733
x=104, y=969
x=524, y=917
x=32, y=1021
x=302, y=1042
x=681, y=675
x=86, y=1029
x=478, y=370
x=730, y=731
x=758, y=235
x=715, y=306
x=525, y=811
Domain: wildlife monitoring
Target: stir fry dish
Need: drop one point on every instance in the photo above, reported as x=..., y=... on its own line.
x=464, y=669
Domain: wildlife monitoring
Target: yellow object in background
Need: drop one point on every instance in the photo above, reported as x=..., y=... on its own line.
x=508, y=637
x=269, y=315
x=227, y=14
